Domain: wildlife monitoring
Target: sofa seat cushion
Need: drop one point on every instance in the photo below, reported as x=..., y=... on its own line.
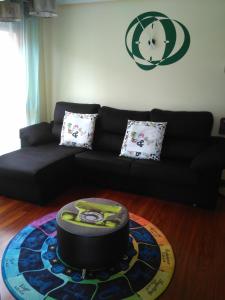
x=166, y=171
x=29, y=162
x=37, y=174
x=182, y=149
x=105, y=162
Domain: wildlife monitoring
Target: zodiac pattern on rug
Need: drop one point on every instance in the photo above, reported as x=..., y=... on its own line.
x=33, y=270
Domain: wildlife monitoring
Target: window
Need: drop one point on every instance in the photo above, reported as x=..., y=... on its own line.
x=12, y=88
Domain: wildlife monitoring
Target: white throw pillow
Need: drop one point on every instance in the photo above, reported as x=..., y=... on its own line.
x=78, y=130
x=143, y=139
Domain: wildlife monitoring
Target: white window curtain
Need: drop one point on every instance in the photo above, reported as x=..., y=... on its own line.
x=19, y=80
x=12, y=85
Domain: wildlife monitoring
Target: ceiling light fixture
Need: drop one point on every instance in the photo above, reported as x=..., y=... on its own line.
x=43, y=8
x=14, y=10
x=10, y=12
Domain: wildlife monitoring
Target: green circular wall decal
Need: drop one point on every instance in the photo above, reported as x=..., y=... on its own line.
x=153, y=39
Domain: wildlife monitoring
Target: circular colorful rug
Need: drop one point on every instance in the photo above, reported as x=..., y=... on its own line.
x=32, y=269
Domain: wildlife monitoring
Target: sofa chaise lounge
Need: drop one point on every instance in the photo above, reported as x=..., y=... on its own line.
x=189, y=170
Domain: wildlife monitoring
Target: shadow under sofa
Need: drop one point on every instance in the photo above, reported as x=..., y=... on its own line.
x=189, y=170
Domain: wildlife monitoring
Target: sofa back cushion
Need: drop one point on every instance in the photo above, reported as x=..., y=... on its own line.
x=185, y=124
x=187, y=133
x=60, y=109
x=111, y=127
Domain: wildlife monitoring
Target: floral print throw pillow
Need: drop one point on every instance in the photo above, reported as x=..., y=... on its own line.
x=78, y=130
x=143, y=139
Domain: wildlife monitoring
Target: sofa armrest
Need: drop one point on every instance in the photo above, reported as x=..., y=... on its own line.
x=36, y=134
x=213, y=158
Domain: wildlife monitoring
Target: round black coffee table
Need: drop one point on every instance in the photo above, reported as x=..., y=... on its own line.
x=92, y=233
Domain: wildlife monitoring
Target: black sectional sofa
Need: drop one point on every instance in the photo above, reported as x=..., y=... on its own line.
x=189, y=170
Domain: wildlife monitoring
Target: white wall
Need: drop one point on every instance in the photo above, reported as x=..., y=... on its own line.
x=86, y=59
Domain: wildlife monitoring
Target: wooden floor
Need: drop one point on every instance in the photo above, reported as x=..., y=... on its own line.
x=197, y=237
